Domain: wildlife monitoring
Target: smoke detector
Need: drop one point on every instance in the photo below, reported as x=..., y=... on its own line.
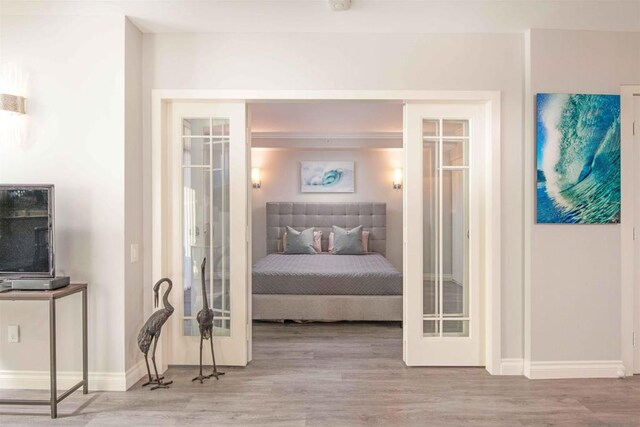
x=340, y=4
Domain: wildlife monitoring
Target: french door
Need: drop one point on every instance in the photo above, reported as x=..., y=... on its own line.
x=442, y=191
x=209, y=160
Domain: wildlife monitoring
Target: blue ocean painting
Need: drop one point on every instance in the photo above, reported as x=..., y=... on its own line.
x=578, y=159
x=327, y=177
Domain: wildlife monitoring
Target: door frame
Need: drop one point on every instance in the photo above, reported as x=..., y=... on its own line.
x=160, y=107
x=630, y=220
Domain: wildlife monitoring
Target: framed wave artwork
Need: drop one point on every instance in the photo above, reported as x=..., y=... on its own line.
x=578, y=159
x=327, y=177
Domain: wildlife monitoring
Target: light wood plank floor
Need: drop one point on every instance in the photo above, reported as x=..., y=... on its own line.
x=344, y=374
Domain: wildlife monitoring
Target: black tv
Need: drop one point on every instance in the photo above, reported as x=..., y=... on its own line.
x=27, y=231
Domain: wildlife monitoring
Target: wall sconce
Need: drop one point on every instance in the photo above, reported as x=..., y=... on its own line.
x=12, y=104
x=397, y=179
x=255, y=178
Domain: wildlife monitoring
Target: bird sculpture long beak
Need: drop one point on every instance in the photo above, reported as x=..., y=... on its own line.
x=155, y=299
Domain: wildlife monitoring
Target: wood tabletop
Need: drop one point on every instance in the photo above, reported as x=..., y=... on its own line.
x=43, y=295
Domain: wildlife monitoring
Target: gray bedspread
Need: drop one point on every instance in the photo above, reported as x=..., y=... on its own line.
x=326, y=274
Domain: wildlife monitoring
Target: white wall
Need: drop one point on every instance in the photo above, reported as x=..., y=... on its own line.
x=575, y=269
x=76, y=111
x=373, y=183
x=133, y=193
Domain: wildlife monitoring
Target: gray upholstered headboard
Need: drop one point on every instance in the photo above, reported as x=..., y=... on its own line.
x=373, y=216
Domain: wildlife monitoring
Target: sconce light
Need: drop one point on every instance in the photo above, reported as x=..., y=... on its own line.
x=397, y=179
x=255, y=178
x=12, y=104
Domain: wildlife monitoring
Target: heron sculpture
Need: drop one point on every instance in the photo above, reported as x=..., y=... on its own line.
x=150, y=332
x=205, y=320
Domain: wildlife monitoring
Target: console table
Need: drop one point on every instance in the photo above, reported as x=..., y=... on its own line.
x=51, y=297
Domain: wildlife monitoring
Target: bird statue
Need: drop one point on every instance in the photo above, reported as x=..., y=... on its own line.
x=150, y=332
x=205, y=320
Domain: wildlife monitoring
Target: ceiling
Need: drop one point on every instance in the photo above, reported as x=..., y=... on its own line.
x=327, y=117
x=327, y=124
x=365, y=16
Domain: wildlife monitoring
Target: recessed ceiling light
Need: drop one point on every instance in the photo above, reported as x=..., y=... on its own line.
x=340, y=4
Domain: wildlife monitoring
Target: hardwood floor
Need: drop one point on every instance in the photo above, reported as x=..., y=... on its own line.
x=344, y=374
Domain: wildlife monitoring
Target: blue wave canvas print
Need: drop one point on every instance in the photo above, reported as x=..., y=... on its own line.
x=578, y=159
x=327, y=177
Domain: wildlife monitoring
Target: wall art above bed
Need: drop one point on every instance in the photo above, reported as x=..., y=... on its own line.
x=578, y=159
x=327, y=177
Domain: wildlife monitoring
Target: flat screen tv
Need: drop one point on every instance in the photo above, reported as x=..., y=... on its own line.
x=26, y=231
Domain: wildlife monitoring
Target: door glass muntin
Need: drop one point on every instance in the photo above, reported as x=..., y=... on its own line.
x=205, y=225
x=446, y=225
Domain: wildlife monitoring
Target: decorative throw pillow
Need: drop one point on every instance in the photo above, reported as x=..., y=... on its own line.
x=299, y=242
x=347, y=242
x=317, y=241
x=365, y=241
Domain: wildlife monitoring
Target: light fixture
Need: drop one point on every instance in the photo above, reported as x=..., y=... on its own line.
x=255, y=178
x=339, y=5
x=12, y=104
x=397, y=179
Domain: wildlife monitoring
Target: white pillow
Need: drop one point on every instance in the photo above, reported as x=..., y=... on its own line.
x=317, y=241
x=365, y=241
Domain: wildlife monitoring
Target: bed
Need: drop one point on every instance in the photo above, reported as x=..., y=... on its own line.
x=326, y=287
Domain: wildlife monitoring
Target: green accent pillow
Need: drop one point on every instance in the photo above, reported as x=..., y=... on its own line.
x=299, y=242
x=347, y=242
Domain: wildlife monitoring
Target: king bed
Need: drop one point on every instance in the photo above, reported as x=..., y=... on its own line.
x=324, y=286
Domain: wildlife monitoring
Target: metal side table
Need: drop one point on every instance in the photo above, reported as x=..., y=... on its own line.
x=52, y=296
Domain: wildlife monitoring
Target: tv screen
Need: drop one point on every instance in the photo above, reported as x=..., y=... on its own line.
x=26, y=231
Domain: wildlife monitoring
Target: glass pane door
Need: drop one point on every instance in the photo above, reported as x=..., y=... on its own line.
x=205, y=164
x=209, y=204
x=441, y=250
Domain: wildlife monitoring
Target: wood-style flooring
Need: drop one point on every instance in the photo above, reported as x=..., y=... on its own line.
x=344, y=374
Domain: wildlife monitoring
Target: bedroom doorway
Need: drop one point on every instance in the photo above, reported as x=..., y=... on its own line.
x=477, y=329
x=322, y=164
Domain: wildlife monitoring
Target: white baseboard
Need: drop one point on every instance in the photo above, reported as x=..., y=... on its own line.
x=134, y=374
x=574, y=369
x=511, y=367
x=562, y=369
x=98, y=381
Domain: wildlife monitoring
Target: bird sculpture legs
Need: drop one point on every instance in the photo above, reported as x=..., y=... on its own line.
x=201, y=377
x=158, y=379
x=215, y=373
x=151, y=379
x=213, y=356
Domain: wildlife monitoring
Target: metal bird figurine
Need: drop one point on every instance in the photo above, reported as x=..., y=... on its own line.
x=205, y=320
x=150, y=332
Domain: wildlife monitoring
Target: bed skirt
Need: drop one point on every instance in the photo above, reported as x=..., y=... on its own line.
x=327, y=307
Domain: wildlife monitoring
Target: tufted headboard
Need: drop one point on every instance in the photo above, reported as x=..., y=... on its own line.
x=373, y=216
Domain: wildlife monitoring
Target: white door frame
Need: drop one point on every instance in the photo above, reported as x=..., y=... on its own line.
x=630, y=218
x=161, y=98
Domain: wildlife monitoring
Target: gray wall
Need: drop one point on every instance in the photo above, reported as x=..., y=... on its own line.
x=280, y=170
x=575, y=269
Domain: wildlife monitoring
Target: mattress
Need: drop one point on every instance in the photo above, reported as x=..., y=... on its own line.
x=325, y=274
